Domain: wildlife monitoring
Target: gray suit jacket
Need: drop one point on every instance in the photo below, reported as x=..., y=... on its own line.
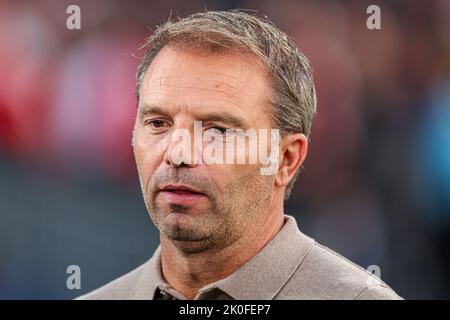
x=290, y=266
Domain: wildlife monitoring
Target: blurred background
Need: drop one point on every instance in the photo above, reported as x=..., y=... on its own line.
x=376, y=184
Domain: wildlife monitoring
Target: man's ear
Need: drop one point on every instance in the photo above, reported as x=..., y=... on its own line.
x=294, y=148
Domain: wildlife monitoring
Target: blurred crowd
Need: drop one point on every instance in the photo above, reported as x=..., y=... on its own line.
x=375, y=186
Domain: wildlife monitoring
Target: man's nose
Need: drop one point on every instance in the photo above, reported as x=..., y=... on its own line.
x=182, y=149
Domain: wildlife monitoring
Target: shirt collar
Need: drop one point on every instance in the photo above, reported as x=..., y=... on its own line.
x=262, y=277
x=149, y=279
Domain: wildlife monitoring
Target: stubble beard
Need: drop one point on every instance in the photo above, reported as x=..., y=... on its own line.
x=227, y=217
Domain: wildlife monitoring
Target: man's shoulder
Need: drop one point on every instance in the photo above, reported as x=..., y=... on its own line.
x=324, y=274
x=128, y=286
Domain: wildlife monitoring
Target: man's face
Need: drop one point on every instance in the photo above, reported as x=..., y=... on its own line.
x=222, y=91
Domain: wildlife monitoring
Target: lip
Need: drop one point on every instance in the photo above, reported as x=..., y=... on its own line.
x=180, y=188
x=181, y=194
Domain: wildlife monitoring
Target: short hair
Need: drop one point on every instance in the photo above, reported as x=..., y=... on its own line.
x=293, y=100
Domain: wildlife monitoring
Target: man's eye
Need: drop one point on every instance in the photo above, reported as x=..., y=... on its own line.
x=218, y=129
x=156, y=123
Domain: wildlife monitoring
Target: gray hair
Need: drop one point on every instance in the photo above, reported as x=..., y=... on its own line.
x=293, y=100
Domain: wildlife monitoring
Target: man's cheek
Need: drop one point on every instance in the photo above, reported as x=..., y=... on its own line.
x=139, y=158
x=143, y=165
x=146, y=152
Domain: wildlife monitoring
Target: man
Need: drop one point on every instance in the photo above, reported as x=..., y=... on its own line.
x=223, y=231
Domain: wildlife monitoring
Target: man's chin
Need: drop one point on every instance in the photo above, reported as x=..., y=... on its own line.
x=189, y=241
x=182, y=220
x=184, y=227
x=193, y=247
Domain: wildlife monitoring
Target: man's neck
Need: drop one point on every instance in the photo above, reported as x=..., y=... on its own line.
x=189, y=273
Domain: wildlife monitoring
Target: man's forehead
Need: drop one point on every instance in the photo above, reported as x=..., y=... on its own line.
x=178, y=78
x=206, y=77
x=172, y=80
x=228, y=66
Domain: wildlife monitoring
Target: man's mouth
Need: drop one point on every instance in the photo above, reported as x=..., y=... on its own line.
x=181, y=194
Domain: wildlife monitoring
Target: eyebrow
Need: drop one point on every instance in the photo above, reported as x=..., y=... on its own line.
x=224, y=117
x=149, y=109
x=234, y=121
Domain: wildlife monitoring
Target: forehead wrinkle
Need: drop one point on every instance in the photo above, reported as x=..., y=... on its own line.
x=188, y=103
x=165, y=76
x=164, y=80
x=204, y=89
x=241, y=100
